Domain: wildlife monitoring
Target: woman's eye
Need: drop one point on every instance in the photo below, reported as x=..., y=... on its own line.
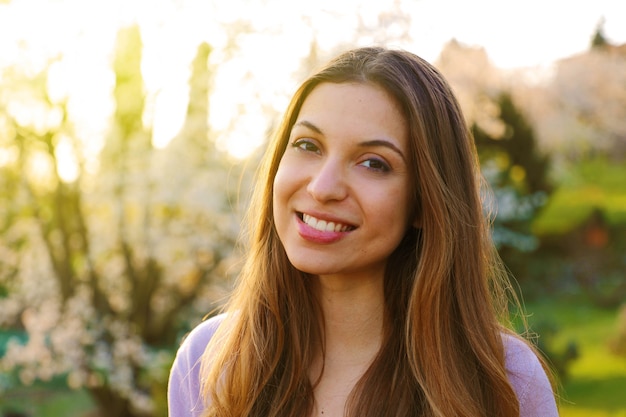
x=376, y=165
x=305, y=145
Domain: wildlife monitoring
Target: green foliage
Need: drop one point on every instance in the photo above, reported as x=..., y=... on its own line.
x=588, y=185
x=518, y=174
x=46, y=400
x=515, y=151
x=583, y=231
x=598, y=40
x=560, y=358
x=597, y=379
x=8, y=335
x=128, y=139
x=618, y=343
x=129, y=88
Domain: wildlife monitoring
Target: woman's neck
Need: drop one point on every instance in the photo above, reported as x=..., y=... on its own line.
x=353, y=317
x=353, y=328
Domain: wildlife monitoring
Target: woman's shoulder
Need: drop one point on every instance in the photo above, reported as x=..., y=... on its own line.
x=193, y=346
x=184, y=381
x=528, y=378
x=195, y=343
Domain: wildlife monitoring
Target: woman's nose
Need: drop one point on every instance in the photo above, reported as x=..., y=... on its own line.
x=328, y=182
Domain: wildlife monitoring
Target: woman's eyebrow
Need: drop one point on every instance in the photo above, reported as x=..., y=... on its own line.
x=384, y=143
x=309, y=125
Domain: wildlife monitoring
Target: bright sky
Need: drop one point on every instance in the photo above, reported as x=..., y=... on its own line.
x=520, y=33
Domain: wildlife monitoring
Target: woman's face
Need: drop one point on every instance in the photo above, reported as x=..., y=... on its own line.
x=341, y=193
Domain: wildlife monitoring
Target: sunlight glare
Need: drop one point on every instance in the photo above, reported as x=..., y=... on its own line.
x=40, y=168
x=8, y=155
x=259, y=47
x=67, y=164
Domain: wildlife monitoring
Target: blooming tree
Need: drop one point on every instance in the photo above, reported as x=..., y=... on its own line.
x=580, y=111
x=102, y=272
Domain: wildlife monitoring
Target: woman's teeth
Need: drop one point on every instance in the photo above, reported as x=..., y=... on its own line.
x=323, y=225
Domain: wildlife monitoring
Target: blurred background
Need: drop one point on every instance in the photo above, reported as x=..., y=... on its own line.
x=129, y=132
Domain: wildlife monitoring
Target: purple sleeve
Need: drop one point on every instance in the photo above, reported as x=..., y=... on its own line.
x=529, y=380
x=183, y=390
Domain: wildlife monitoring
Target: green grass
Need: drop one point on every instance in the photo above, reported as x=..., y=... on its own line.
x=596, y=386
x=46, y=401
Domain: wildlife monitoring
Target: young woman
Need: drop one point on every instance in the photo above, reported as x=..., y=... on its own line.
x=371, y=287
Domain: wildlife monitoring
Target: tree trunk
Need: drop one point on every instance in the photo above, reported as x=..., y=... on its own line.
x=112, y=404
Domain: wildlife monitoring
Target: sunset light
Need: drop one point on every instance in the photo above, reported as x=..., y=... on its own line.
x=256, y=71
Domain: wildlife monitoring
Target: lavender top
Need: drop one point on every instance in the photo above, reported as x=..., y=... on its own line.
x=524, y=370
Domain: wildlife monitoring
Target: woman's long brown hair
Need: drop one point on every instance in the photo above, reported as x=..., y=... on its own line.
x=445, y=292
